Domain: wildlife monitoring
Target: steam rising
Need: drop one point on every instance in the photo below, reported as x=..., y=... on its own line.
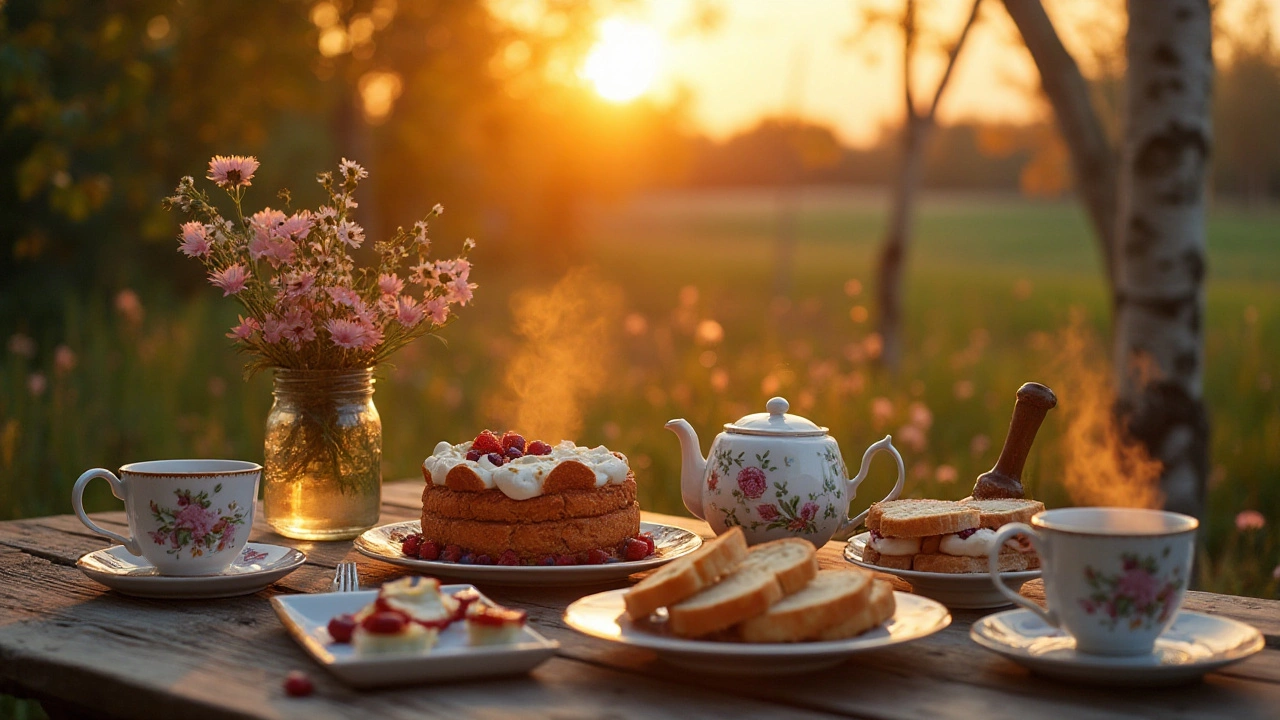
x=566, y=337
x=1103, y=465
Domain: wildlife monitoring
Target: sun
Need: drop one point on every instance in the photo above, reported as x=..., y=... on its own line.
x=624, y=62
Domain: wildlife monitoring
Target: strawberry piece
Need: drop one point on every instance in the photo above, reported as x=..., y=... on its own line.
x=429, y=550
x=636, y=550
x=512, y=440
x=537, y=447
x=508, y=557
x=410, y=545
x=297, y=684
x=647, y=539
x=597, y=556
x=386, y=622
x=451, y=553
x=486, y=442
x=341, y=627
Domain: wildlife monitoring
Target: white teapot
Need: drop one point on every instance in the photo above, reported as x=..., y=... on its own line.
x=775, y=475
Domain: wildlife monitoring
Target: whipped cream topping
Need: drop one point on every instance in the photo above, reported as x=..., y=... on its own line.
x=977, y=544
x=894, y=545
x=523, y=477
x=419, y=598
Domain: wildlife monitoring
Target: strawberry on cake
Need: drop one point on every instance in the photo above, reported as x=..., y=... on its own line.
x=500, y=500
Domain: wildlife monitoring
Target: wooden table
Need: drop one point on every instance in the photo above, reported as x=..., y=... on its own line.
x=83, y=650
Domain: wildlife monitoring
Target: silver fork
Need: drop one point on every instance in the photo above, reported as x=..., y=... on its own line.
x=345, y=578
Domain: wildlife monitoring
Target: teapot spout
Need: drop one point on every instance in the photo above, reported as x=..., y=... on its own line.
x=693, y=466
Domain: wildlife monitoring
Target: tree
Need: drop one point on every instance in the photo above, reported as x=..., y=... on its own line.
x=1147, y=205
x=916, y=126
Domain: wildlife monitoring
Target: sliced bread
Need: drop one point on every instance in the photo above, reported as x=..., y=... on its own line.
x=829, y=599
x=880, y=606
x=792, y=560
x=919, y=518
x=683, y=577
x=871, y=556
x=1002, y=512
x=741, y=595
x=1009, y=562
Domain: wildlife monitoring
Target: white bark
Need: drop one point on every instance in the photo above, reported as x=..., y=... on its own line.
x=1160, y=242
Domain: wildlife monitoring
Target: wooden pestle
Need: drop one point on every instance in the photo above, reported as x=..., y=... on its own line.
x=1005, y=479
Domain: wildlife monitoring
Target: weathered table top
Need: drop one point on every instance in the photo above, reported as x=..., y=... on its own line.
x=82, y=649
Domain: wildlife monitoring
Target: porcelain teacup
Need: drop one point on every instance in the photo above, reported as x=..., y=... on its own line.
x=1113, y=577
x=186, y=517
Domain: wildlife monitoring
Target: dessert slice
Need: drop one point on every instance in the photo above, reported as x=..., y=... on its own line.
x=488, y=625
x=901, y=529
x=386, y=632
x=879, y=607
x=741, y=595
x=419, y=599
x=830, y=598
x=685, y=576
x=793, y=561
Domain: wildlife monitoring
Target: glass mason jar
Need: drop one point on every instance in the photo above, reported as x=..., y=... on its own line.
x=322, y=474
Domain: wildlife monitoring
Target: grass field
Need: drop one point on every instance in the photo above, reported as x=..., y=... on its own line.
x=673, y=315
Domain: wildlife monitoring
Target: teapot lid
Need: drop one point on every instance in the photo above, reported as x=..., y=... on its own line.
x=775, y=422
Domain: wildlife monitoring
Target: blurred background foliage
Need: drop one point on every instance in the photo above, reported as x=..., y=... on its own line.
x=114, y=342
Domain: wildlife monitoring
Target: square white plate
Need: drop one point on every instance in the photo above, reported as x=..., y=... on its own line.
x=307, y=619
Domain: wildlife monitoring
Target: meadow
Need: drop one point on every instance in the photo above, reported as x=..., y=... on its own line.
x=669, y=312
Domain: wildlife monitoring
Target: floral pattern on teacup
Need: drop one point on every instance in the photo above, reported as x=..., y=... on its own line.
x=194, y=525
x=250, y=556
x=1139, y=596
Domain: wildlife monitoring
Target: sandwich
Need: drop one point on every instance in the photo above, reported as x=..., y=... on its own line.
x=943, y=536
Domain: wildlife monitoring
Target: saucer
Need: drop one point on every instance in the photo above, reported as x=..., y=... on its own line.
x=258, y=566
x=603, y=616
x=451, y=659
x=670, y=542
x=1193, y=645
x=962, y=591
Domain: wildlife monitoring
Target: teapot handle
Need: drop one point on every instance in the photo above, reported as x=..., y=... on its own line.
x=852, y=484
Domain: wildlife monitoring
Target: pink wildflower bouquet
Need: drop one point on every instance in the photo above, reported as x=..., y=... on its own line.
x=309, y=306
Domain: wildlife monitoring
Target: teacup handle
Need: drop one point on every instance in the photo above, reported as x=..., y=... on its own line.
x=885, y=445
x=117, y=489
x=993, y=564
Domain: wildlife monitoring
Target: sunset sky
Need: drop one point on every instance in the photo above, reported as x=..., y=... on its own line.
x=772, y=57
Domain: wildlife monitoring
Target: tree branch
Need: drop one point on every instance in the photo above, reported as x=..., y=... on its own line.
x=1092, y=156
x=951, y=60
x=908, y=50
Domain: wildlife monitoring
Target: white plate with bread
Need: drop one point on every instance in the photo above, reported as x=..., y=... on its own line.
x=730, y=610
x=940, y=547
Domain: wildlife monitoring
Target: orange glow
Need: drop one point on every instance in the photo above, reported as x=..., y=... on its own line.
x=625, y=60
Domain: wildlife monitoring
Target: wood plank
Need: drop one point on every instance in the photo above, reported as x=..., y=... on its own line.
x=127, y=657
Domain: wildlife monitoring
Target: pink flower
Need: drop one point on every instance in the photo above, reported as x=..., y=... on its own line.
x=797, y=524
x=299, y=283
x=344, y=296
x=195, y=240
x=266, y=222
x=767, y=511
x=1250, y=520
x=231, y=279
x=350, y=233
x=297, y=226
x=273, y=330
x=246, y=328
x=713, y=482
x=437, y=309
x=64, y=359
x=36, y=384
x=408, y=312
x=809, y=510
x=751, y=481
x=346, y=333
x=1139, y=585
x=232, y=171
x=390, y=284
x=196, y=519
x=459, y=291
x=129, y=306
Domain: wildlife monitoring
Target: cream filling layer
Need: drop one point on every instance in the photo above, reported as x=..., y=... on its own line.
x=895, y=545
x=525, y=477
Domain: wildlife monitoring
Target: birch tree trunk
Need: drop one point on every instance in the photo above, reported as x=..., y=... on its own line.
x=1158, y=348
x=892, y=260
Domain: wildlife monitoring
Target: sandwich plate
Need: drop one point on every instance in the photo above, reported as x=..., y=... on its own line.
x=602, y=615
x=307, y=618
x=963, y=591
x=670, y=542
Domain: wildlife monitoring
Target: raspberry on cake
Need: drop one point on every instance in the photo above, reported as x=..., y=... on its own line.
x=517, y=500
